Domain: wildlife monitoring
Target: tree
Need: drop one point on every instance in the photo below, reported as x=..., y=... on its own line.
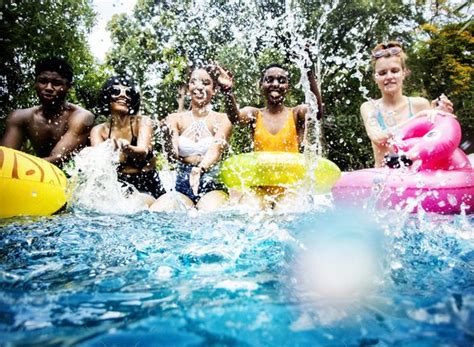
x=443, y=63
x=162, y=40
x=35, y=29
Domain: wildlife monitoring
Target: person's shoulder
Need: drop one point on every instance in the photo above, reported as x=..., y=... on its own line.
x=78, y=111
x=145, y=120
x=250, y=110
x=419, y=102
x=24, y=112
x=22, y=115
x=99, y=128
x=222, y=118
x=176, y=115
x=221, y=115
x=77, y=108
x=367, y=106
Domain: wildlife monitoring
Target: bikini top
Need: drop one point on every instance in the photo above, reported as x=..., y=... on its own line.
x=381, y=120
x=286, y=140
x=134, y=140
x=195, y=139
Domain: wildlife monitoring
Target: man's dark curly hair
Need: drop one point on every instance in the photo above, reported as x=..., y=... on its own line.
x=105, y=95
x=56, y=64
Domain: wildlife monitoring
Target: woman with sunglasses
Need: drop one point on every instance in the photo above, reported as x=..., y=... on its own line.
x=275, y=127
x=393, y=110
x=130, y=133
x=197, y=138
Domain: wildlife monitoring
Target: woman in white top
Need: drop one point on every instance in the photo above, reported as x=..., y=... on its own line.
x=198, y=138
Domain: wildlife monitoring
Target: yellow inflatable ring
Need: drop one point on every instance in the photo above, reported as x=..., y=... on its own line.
x=30, y=186
x=276, y=169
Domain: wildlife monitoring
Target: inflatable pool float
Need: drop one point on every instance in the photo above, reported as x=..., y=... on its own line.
x=30, y=186
x=257, y=169
x=440, y=179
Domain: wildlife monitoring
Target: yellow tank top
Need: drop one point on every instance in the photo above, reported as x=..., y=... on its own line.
x=286, y=140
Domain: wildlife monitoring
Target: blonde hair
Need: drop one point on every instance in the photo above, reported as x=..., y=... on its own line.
x=381, y=50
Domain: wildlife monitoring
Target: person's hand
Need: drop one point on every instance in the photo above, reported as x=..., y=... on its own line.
x=195, y=178
x=119, y=143
x=442, y=103
x=225, y=80
x=123, y=146
x=166, y=133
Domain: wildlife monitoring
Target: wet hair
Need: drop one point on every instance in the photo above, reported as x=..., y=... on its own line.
x=105, y=94
x=56, y=64
x=390, y=44
x=268, y=67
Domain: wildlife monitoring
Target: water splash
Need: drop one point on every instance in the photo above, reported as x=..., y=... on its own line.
x=94, y=184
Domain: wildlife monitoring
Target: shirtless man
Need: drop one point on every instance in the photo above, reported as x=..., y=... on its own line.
x=55, y=128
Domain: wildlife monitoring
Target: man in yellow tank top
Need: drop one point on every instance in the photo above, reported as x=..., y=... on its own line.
x=276, y=127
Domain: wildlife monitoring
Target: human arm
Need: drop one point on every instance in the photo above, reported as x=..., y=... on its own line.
x=313, y=86
x=378, y=136
x=226, y=83
x=423, y=108
x=141, y=151
x=79, y=127
x=98, y=135
x=170, y=135
x=14, y=132
x=214, y=153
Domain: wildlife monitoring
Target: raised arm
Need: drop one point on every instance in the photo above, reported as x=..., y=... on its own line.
x=14, y=132
x=79, y=127
x=226, y=83
x=313, y=86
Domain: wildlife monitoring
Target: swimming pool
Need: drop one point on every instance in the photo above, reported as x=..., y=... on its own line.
x=237, y=279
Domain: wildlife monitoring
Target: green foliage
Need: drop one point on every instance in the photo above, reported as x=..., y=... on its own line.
x=32, y=30
x=444, y=63
x=161, y=41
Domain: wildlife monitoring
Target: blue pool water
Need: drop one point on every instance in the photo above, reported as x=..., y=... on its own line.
x=316, y=278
